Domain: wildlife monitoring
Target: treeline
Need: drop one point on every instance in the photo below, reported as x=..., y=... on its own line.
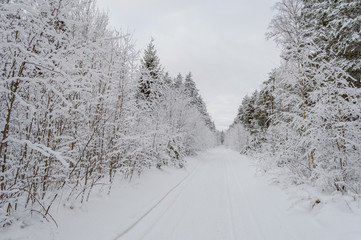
x=306, y=118
x=78, y=106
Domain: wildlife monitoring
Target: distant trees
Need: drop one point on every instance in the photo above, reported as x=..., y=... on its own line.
x=197, y=101
x=236, y=137
x=77, y=109
x=307, y=116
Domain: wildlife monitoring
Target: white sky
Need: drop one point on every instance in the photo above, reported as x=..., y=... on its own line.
x=221, y=42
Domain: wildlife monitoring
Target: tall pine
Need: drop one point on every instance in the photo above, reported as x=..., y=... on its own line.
x=151, y=73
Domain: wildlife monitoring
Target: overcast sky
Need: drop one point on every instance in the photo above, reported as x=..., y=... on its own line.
x=221, y=42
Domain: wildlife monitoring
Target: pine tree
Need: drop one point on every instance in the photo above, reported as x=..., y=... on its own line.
x=178, y=81
x=190, y=88
x=151, y=73
x=196, y=100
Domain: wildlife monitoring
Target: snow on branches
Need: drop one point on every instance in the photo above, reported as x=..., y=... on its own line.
x=70, y=112
x=306, y=119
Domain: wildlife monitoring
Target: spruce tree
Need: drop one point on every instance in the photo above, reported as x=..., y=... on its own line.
x=190, y=88
x=196, y=100
x=178, y=81
x=151, y=73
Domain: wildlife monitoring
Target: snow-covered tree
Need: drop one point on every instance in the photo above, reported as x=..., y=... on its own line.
x=74, y=110
x=339, y=25
x=151, y=73
x=308, y=111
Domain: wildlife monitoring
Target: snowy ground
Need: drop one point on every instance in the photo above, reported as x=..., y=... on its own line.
x=218, y=196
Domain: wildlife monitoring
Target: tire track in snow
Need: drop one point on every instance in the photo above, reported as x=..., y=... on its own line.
x=130, y=227
x=239, y=183
x=229, y=202
x=167, y=206
x=238, y=190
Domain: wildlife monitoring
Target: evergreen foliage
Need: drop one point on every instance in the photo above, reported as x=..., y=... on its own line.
x=151, y=73
x=196, y=100
x=306, y=118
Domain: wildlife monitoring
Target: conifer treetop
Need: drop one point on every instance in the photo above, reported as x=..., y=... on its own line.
x=151, y=61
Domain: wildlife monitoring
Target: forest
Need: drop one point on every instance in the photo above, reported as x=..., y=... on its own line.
x=80, y=105
x=306, y=118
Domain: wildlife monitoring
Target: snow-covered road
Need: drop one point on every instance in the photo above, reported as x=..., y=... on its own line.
x=218, y=196
x=223, y=199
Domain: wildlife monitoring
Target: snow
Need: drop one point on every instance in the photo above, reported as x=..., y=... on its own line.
x=218, y=196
